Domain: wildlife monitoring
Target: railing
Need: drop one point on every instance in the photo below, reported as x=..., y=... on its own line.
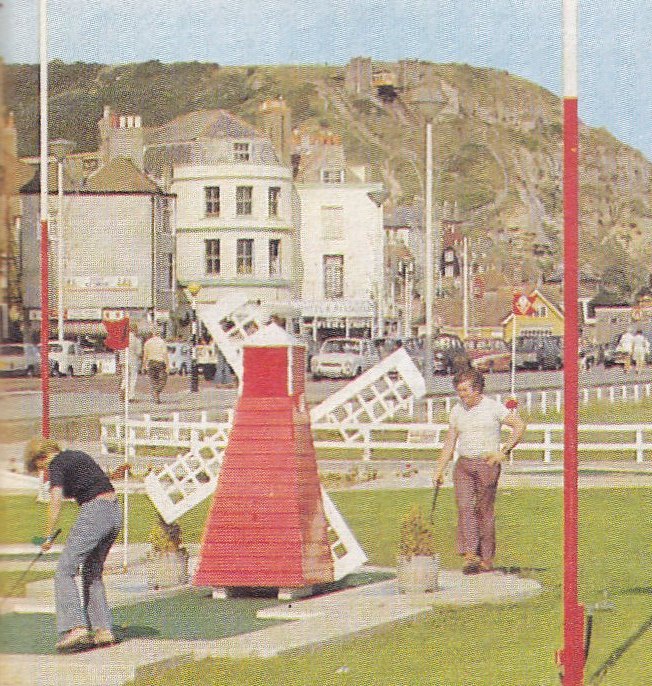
x=546, y=439
x=547, y=400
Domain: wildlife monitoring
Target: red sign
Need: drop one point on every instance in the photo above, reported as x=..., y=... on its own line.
x=523, y=305
x=118, y=333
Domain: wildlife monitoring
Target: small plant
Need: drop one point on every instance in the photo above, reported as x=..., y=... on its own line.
x=165, y=538
x=416, y=535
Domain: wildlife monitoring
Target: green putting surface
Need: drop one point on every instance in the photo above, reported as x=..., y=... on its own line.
x=191, y=614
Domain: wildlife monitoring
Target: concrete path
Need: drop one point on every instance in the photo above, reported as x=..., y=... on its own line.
x=311, y=622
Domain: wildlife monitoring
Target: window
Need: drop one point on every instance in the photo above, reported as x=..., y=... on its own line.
x=212, y=256
x=241, y=152
x=333, y=276
x=245, y=256
x=332, y=222
x=275, y=257
x=332, y=175
x=541, y=311
x=243, y=196
x=212, y=200
x=273, y=196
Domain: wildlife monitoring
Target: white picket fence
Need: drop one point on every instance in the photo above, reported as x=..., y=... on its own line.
x=553, y=399
x=181, y=436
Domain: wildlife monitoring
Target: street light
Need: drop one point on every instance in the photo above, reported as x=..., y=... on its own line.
x=60, y=148
x=193, y=289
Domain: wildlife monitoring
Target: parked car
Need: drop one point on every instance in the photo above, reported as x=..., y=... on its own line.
x=179, y=356
x=69, y=358
x=19, y=359
x=449, y=353
x=489, y=354
x=344, y=358
x=539, y=352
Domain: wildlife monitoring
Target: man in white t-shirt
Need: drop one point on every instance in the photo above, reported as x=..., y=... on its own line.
x=640, y=350
x=474, y=427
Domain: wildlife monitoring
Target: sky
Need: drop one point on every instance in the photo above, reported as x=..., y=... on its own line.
x=521, y=36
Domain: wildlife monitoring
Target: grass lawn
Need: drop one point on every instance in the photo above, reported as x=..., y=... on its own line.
x=506, y=645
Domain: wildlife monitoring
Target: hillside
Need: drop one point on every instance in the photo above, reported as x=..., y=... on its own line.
x=497, y=144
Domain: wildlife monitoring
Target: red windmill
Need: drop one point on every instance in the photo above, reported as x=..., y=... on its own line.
x=266, y=526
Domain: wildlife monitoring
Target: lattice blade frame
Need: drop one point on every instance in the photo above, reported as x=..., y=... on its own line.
x=374, y=396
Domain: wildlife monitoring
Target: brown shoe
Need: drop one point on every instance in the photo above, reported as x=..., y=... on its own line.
x=78, y=638
x=471, y=564
x=485, y=566
x=104, y=637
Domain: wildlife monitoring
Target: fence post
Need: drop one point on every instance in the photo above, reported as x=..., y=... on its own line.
x=547, y=441
x=624, y=390
x=586, y=396
x=528, y=402
x=429, y=411
x=366, y=451
x=447, y=404
x=648, y=389
x=175, y=427
x=598, y=393
x=544, y=403
x=558, y=401
x=636, y=393
x=639, y=445
x=612, y=395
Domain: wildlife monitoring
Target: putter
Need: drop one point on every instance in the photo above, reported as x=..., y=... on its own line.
x=21, y=578
x=434, y=501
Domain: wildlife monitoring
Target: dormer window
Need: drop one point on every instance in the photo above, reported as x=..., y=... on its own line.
x=332, y=175
x=241, y=152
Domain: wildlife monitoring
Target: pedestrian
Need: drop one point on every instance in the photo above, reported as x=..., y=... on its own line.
x=134, y=352
x=156, y=363
x=625, y=347
x=640, y=350
x=475, y=428
x=81, y=623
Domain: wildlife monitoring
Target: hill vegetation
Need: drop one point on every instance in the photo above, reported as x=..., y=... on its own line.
x=497, y=137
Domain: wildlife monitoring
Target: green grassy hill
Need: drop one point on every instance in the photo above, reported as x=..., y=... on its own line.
x=497, y=141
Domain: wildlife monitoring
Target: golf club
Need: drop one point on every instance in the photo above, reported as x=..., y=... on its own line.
x=438, y=483
x=21, y=578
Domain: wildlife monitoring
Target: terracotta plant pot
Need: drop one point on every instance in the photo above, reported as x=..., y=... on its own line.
x=418, y=574
x=165, y=570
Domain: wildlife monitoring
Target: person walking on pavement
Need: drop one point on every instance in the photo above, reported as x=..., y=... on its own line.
x=74, y=474
x=474, y=427
x=134, y=350
x=640, y=350
x=156, y=363
x=625, y=346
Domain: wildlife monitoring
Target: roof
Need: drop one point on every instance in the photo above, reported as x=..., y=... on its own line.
x=120, y=175
x=201, y=124
x=272, y=336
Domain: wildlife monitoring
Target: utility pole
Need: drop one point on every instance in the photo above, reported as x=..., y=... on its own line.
x=429, y=260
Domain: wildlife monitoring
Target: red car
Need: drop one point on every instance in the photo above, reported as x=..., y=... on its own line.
x=489, y=354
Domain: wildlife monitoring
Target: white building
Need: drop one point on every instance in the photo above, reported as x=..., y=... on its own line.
x=236, y=226
x=341, y=243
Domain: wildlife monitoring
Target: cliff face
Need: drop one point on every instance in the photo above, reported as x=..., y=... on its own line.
x=497, y=144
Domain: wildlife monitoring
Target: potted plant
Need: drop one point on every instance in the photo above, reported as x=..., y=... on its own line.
x=167, y=559
x=418, y=564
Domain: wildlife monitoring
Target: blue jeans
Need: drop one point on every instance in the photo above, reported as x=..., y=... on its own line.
x=88, y=544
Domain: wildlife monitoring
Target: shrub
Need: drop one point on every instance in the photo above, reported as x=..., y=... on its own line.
x=416, y=535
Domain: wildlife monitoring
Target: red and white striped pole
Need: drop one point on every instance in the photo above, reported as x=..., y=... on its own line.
x=572, y=654
x=45, y=278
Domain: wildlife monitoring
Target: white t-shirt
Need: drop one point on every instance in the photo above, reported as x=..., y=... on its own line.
x=478, y=427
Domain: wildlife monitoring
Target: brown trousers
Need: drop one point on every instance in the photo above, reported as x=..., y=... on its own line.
x=158, y=376
x=475, y=493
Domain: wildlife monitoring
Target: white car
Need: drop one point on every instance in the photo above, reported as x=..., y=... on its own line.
x=19, y=359
x=68, y=358
x=344, y=358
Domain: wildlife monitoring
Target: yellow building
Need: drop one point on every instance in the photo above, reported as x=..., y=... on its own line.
x=547, y=320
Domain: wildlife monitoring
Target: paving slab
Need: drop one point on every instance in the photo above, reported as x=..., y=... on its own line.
x=311, y=622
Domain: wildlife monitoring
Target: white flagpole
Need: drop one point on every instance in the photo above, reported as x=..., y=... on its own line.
x=125, y=538
x=513, y=354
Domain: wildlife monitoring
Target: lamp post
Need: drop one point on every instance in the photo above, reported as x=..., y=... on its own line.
x=60, y=148
x=193, y=289
x=406, y=270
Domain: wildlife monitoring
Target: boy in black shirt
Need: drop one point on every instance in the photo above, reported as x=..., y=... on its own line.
x=74, y=474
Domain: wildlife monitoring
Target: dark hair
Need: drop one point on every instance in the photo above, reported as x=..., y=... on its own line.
x=471, y=374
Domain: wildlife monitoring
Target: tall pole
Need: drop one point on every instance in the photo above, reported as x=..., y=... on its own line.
x=429, y=259
x=45, y=304
x=465, y=288
x=572, y=654
x=193, y=289
x=60, y=249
